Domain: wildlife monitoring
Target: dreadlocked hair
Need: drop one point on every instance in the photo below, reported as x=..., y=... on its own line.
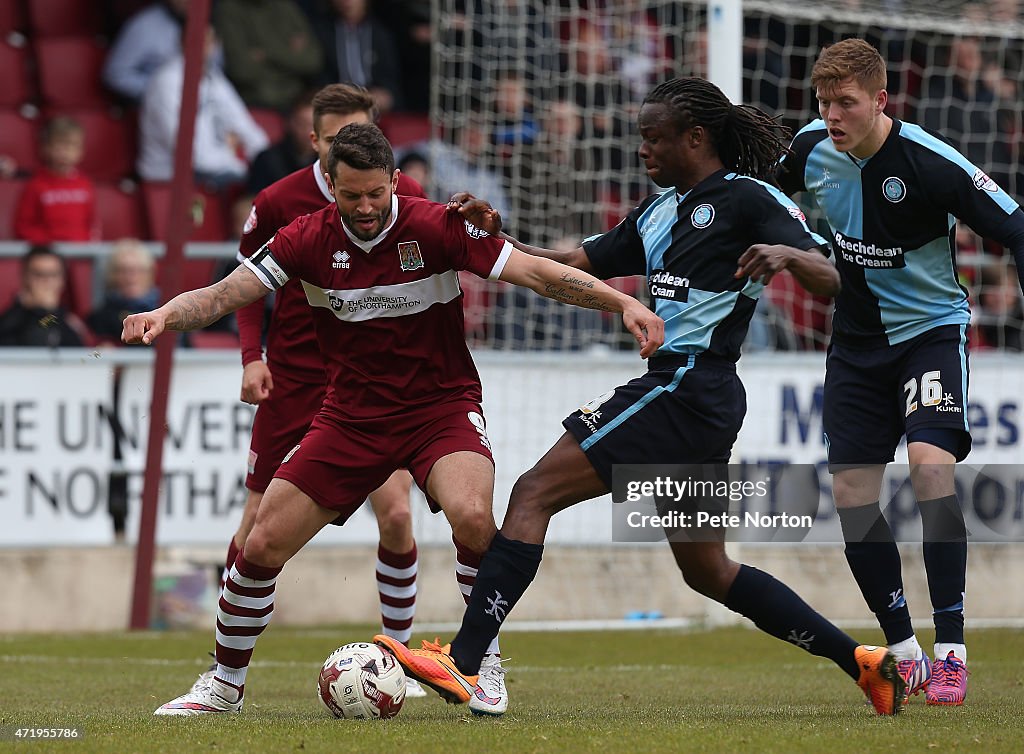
x=747, y=139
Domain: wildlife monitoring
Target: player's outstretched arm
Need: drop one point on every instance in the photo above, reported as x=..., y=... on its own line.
x=573, y=286
x=811, y=269
x=480, y=213
x=193, y=310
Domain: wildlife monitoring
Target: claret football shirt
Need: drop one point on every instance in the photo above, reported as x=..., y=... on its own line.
x=387, y=313
x=291, y=343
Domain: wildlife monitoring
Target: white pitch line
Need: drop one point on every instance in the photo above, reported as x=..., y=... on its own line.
x=161, y=662
x=311, y=666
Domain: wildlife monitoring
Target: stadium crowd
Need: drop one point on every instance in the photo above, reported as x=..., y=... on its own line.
x=541, y=126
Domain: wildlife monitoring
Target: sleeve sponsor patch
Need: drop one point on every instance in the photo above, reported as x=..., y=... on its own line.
x=474, y=232
x=250, y=221
x=983, y=183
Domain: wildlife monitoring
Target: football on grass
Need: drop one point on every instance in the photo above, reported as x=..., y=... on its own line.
x=361, y=682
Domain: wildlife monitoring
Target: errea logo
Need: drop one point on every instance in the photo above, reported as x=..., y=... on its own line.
x=341, y=260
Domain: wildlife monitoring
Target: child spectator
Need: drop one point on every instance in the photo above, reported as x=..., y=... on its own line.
x=36, y=317
x=58, y=203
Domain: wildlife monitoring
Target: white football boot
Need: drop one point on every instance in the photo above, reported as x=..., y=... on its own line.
x=413, y=690
x=490, y=696
x=214, y=696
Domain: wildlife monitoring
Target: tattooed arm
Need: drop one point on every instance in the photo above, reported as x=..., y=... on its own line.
x=573, y=286
x=193, y=310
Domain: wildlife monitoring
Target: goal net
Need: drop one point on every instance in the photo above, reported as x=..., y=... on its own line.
x=534, y=106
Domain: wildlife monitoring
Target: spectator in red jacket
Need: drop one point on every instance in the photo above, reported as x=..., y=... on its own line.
x=58, y=203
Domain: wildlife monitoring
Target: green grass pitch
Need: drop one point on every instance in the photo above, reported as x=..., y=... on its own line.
x=728, y=690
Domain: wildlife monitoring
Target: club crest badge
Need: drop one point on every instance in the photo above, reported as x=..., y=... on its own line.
x=703, y=216
x=894, y=189
x=409, y=256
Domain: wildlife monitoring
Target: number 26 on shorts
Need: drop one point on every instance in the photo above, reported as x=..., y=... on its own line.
x=931, y=391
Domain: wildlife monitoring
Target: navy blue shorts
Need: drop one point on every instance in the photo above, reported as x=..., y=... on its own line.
x=874, y=397
x=686, y=409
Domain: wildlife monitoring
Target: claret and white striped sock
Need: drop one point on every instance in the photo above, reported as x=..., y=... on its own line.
x=396, y=585
x=245, y=607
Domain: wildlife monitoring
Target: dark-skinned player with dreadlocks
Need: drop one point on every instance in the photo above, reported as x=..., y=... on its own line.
x=708, y=245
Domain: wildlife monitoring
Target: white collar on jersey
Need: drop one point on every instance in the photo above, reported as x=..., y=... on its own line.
x=367, y=246
x=321, y=182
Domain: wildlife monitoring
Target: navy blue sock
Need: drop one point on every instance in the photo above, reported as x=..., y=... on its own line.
x=506, y=570
x=945, y=561
x=875, y=562
x=778, y=610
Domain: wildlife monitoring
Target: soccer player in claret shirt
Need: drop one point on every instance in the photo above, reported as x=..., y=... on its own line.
x=898, y=364
x=701, y=243
x=381, y=275
x=289, y=387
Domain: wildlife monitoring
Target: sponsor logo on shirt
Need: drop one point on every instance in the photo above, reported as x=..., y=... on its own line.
x=253, y=455
x=796, y=214
x=50, y=197
x=703, y=216
x=665, y=285
x=341, y=260
x=894, y=189
x=868, y=255
x=826, y=181
x=983, y=183
x=410, y=256
x=372, y=303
